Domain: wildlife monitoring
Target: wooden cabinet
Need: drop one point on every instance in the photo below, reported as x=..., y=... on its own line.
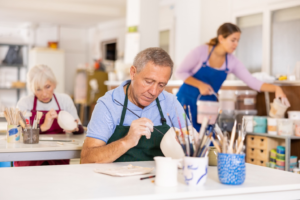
x=258, y=149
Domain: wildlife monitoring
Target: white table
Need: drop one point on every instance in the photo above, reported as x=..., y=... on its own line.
x=49, y=150
x=81, y=182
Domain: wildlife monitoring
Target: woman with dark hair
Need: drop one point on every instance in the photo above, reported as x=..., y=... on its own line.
x=205, y=69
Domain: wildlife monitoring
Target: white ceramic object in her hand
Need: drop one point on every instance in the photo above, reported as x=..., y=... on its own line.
x=66, y=121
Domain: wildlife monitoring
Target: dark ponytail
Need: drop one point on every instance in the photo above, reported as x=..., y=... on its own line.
x=225, y=30
x=213, y=41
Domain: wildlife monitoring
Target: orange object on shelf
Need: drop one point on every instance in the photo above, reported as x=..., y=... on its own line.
x=18, y=84
x=53, y=45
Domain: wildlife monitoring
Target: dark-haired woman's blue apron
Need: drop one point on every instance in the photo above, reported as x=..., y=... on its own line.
x=187, y=94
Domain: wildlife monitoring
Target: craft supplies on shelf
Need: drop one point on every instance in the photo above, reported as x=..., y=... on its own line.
x=246, y=99
x=294, y=115
x=241, y=113
x=260, y=124
x=227, y=100
x=272, y=126
x=285, y=127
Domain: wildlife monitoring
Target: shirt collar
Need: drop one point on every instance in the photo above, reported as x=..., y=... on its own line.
x=119, y=95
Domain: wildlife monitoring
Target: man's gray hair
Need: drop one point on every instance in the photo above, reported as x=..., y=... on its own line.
x=156, y=55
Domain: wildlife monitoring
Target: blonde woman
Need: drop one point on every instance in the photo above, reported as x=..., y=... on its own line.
x=42, y=83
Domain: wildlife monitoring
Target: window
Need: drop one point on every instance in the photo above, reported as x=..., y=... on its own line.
x=164, y=40
x=249, y=50
x=285, y=40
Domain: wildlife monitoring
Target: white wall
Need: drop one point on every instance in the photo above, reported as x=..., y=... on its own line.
x=74, y=42
x=213, y=14
x=187, y=29
x=106, y=31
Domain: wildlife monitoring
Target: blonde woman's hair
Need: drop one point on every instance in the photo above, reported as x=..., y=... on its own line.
x=38, y=76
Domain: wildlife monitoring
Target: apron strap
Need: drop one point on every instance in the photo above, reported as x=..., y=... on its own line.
x=56, y=102
x=226, y=62
x=124, y=107
x=163, y=119
x=34, y=103
x=210, y=53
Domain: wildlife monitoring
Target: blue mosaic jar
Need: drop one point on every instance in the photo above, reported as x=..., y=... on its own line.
x=231, y=168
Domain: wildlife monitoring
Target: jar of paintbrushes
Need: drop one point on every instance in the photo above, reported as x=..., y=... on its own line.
x=195, y=147
x=31, y=133
x=231, y=158
x=14, y=131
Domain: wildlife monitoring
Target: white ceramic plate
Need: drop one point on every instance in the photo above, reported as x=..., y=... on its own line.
x=128, y=170
x=66, y=121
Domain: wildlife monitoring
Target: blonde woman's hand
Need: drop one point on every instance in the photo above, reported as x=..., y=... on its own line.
x=49, y=118
x=75, y=130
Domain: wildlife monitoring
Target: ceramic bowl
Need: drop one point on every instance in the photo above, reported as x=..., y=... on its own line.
x=66, y=121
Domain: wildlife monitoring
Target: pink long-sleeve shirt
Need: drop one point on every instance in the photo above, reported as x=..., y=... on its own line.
x=193, y=62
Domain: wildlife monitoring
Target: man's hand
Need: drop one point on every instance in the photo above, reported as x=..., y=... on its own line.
x=138, y=128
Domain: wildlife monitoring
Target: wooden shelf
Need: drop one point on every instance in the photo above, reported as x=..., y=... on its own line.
x=12, y=88
x=8, y=65
x=276, y=136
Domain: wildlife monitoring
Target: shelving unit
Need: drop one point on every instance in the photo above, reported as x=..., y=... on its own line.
x=18, y=66
x=282, y=140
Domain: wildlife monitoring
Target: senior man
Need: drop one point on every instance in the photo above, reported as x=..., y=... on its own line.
x=114, y=133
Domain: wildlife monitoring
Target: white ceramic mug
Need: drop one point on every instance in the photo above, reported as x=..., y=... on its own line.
x=277, y=109
x=166, y=171
x=296, y=127
x=195, y=170
x=285, y=127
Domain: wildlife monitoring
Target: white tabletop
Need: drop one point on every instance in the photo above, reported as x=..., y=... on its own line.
x=44, y=150
x=81, y=182
x=44, y=145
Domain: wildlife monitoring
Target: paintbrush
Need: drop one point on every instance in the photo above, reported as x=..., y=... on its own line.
x=7, y=118
x=192, y=131
x=39, y=116
x=201, y=133
x=219, y=113
x=240, y=147
x=230, y=149
x=219, y=134
x=215, y=144
x=22, y=124
x=224, y=146
x=138, y=116
x=195, y=136
x=188, y=133
x=205, y=147
x=176, y=132
x=182, y=135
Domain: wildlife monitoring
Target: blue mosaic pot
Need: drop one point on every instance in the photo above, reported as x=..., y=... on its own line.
x=231, y=168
